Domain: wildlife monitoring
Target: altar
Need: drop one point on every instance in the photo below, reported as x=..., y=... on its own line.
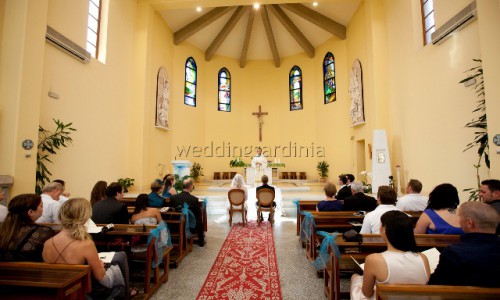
x=250, y=176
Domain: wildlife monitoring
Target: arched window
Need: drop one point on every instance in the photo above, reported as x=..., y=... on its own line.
x=190, y=85
x=224, y=90
x=295, y=79
x=330, y=87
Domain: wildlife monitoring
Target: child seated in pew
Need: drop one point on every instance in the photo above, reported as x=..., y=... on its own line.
x=401, y=263
x=331, y=203
x=21, y=239
x=73, y=245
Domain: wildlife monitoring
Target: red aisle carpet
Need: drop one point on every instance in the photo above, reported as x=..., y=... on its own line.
x=246, y=267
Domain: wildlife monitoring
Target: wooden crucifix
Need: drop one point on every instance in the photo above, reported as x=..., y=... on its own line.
x=259, y=115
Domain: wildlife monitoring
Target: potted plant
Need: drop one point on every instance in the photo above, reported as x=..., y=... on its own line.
x=322, y=168
x=237, y=163
x=178, y=182
x=49, y=143
x=196, y=171
x=126, y=183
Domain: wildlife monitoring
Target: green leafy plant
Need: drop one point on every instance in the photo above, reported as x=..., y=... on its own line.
x=196, y=171
x=238, y=163
x=126, y=183
x=48, y=144
x=322, y=168
x=178, y=182
x=275, y=165
x=480, y=126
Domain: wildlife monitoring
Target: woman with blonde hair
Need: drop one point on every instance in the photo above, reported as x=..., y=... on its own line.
x=21, y=239
x=155, y=200
x=73, y=245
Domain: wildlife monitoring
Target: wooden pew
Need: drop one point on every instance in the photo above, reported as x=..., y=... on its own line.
x=149, y=256
x=371, y=243
x=419, y=292
x=130, y=202
x=29, y=280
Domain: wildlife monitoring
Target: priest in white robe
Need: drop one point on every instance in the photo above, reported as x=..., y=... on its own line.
x=259, y=163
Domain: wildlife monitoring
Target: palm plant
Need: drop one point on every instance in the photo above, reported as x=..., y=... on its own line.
x=322, y=168
x=479, y=124
x=48, y=143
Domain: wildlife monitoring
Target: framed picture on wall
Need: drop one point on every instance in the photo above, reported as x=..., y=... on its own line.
x=162, y=99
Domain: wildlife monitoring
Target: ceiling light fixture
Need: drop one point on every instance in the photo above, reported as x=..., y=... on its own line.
x=315, y=3
x=198, y=9
x=256, y=5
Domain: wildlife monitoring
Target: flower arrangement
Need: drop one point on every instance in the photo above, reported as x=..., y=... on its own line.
x=276, y=165
x=238, y=163
x=367, y=187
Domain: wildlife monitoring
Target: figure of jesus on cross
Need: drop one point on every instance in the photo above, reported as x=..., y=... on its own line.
x=259, y=115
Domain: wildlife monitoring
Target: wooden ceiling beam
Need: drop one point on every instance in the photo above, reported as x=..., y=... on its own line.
x=200, y=23
x=292, y=29
x=248, y=33
x=270, y=35
x=219, y=39
x=317, y=19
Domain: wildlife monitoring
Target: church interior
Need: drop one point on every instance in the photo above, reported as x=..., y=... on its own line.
x=410, y=89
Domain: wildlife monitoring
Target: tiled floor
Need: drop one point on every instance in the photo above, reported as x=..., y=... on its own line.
x=297, y=274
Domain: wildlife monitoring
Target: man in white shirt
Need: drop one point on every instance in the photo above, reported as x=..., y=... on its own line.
x=50, y=196
x=64, y=196
x=3, y=209
x=386, y=198
x=413, y=201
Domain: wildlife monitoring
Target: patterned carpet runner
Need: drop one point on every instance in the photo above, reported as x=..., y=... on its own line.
x=246, y=267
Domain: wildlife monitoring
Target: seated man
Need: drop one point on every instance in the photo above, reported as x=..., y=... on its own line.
x=186, y=197
x=413, y=201
x=386, y=198
x=358, y=200
x=489, y=192
x=475, y=260
x=110, y=209
x=50, y=196
x=345, y=190
x=264, y=185
x=65, y=194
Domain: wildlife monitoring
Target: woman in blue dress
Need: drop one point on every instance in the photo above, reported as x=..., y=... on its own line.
x=440, y=215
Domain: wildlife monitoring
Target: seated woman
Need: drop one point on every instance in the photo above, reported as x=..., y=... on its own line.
x=168, y=186
x=155, y=200
x=239, y=183
x=330, y=204
x=144, y=214
x=440, y=215
x=21, y=239
x=401, y=263
x=73, y=245
x=97, y=193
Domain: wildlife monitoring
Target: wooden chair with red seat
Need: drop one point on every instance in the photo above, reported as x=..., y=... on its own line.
x=265, y=199
x=237, y=204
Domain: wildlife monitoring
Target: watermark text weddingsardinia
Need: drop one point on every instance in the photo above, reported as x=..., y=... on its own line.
x=227, y=150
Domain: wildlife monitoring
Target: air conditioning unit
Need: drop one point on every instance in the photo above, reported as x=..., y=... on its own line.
x=464, y=17
x=66, y=45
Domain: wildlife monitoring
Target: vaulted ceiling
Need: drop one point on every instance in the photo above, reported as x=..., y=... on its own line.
x=275, y=30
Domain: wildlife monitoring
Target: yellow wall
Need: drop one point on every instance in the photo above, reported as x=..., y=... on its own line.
x=410, y=90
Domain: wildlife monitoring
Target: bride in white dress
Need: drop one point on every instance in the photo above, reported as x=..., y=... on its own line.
x=238, y=183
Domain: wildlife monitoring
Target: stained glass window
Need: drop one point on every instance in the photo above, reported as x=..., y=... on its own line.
x=190, y=85
x=224, y=90
x=330, y=87
x=295, y=79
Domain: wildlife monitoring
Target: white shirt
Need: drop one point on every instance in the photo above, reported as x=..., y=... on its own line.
x=62, y=199
x=412, y=202
x=3, y=213
x=50, y=210
x=371, y=222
